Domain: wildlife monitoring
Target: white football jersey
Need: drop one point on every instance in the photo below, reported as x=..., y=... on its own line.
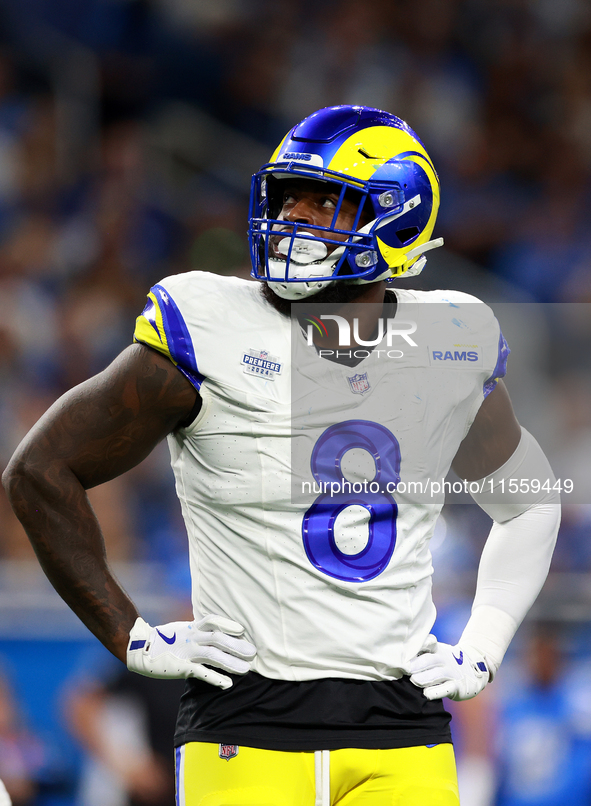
x=308, y=487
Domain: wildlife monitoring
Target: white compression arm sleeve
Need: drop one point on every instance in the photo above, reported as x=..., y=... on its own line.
x=517, y=554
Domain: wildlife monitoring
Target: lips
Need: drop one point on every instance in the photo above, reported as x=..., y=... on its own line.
x=274, y=241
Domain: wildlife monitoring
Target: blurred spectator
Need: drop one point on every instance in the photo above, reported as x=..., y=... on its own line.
x=549, y=247
x=125, y=723
x=474, y=748
x=23, y=755
x=544, y=720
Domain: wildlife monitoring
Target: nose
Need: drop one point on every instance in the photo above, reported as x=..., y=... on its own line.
x=301, y=212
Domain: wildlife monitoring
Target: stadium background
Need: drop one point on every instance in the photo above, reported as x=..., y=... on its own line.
x=128, y=133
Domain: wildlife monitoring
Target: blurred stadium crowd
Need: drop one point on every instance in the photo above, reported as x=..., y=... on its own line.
x=128, y=133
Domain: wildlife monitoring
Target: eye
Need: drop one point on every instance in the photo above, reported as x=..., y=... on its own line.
x=288, y=197
x=329, y=203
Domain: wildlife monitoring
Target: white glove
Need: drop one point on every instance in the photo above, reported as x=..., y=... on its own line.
x=180, y=649
x=458, y=672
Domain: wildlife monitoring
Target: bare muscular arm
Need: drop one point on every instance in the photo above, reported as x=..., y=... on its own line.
x=93, y=433
x=492, y=439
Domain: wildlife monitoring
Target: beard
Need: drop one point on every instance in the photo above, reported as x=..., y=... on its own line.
x=340, y=293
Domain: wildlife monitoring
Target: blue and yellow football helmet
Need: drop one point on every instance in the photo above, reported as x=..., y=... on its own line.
x=362, y=152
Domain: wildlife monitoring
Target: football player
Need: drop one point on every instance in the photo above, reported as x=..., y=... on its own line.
x=312, y=673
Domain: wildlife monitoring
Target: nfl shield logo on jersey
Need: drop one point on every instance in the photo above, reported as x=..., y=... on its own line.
x=359, y=384
x=228, y=751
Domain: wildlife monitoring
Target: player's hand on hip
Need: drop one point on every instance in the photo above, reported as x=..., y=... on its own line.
x=458, y=672
x=183, y=648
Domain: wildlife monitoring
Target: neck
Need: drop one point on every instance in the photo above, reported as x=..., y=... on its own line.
x=338, y=294
x=360, y=314
x=342, y=301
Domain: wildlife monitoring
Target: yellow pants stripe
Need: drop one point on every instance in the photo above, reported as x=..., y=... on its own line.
x=408, y=776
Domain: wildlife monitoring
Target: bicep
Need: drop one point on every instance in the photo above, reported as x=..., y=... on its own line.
x=108, y=424
x=492, y=438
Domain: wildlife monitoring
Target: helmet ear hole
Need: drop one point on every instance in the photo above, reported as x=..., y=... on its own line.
x=407, y=235
x=274, y=193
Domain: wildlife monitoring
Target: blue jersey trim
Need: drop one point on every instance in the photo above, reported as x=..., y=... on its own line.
x=178, y=776
x=500, y=369
x=180, y=344
x=149, y=314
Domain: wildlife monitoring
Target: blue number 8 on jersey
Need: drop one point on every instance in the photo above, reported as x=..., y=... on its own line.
x=319, y=521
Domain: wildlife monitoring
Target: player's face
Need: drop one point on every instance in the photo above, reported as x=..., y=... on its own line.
x=311, y=204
